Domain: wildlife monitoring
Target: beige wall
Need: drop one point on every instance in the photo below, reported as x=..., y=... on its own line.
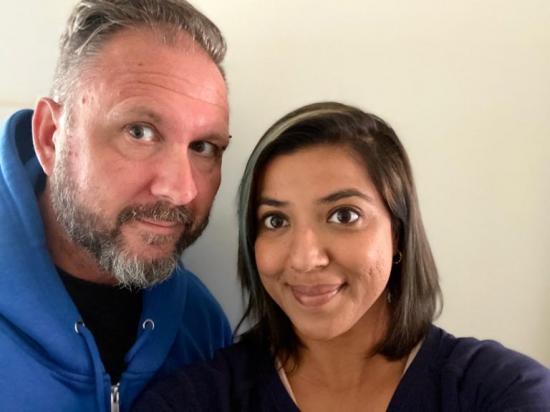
x=465, y=84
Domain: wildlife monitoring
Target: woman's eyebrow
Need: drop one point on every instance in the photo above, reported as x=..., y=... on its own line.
x=268, y=201
x=343, y=194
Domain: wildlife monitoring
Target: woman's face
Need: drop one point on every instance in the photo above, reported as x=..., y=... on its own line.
x=324, y=245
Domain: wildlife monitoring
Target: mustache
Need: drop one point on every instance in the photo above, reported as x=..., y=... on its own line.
x=157, y=211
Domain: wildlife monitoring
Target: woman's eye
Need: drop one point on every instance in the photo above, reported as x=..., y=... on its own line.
x=205, y=148
x=141, y=132
x=344, y=216
x=273, y=222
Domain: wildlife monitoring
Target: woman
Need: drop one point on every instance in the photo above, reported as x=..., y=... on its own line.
x=342, y=289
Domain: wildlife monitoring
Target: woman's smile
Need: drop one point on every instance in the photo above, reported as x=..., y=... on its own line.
x=324, y=246
x=316, y=295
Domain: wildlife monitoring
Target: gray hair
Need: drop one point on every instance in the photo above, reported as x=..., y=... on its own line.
x=93, y=22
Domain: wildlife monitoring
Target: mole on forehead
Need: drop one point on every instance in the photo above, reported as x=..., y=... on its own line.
x=199, y=91
x=142, y=59
x=127, y=41
x=195, y=82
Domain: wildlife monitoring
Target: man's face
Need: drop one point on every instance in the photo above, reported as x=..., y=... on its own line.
x=138, y=165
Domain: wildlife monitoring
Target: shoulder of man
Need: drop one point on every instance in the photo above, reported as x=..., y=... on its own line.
x=201, y=306
x=191, y=315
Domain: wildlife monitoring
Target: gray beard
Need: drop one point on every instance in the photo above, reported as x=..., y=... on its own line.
x=90, y=231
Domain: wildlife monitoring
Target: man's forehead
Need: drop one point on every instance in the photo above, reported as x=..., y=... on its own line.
x=138, y=58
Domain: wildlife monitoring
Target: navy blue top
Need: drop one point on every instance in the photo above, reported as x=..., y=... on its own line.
x=447, y=374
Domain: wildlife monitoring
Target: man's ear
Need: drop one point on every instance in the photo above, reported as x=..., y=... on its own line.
x=46, y=123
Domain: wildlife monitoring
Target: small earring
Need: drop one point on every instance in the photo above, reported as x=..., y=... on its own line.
x=388, y=297
x=398, y=258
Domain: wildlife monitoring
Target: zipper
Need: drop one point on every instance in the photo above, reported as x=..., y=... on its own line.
x=115, y=398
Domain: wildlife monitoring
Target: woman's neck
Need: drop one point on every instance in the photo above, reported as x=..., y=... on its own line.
x=347, y=368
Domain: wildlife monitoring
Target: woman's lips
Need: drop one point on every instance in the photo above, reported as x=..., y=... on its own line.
x=315, y=295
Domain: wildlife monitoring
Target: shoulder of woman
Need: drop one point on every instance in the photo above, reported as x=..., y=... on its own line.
x=487, y=374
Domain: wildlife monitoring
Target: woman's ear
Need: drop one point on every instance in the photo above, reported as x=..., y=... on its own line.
x=45, y=124
x=395, y=236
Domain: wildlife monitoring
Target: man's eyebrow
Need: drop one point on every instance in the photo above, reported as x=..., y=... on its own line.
x=268, y=201
x=225, y=138
x=142, y=112
x=343, y=194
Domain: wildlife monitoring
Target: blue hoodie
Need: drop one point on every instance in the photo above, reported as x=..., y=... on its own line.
x=48, y=359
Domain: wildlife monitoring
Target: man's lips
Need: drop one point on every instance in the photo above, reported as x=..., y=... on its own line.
x=315, y=295
x=160, y=227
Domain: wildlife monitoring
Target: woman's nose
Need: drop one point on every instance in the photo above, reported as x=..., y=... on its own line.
x=307, y=251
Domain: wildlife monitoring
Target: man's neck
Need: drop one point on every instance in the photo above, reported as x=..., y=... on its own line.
x=66, y=254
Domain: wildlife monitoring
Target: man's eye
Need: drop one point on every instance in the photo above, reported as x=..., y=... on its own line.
x=206, y=149
x=141, y=132
x=273, y=222
x=344, y=216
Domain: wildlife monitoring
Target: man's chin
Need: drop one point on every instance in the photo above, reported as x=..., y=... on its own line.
x=153, y=253
x=140, y=272
x=148, y=247
x=140, y=263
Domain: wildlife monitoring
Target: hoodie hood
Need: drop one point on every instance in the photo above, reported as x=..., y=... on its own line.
x=33, y=312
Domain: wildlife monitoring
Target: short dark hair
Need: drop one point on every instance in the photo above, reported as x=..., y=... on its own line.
x=413, y=283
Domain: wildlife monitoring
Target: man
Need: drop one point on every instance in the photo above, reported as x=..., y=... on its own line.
x=101, y=189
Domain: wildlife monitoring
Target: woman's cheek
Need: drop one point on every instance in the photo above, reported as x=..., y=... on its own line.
x=266, y=258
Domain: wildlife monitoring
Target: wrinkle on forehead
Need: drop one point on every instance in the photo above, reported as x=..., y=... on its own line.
x=135, y=58
x=200, y=91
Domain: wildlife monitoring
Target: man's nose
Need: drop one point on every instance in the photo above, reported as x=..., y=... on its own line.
x=307, y=251
x=174, y=181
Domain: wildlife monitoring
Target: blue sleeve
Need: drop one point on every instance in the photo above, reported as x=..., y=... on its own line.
x=219, y=326
x=203, y=327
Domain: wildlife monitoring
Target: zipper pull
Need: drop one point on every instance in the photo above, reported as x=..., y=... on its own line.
x=115, y=398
